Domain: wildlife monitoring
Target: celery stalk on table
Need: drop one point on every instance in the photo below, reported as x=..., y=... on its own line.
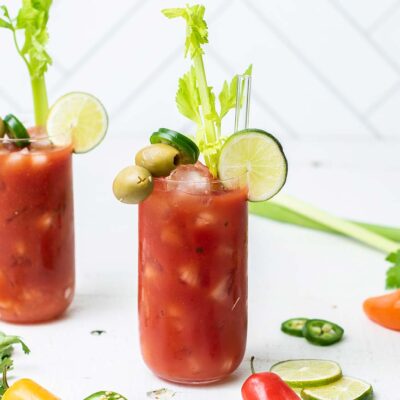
x=287, y=209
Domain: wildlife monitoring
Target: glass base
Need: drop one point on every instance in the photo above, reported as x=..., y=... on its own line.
x=192, y=382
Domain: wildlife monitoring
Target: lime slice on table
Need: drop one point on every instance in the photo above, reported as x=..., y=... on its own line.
x=307, y=373
x=16, y=130
x=77, y=118
x=259, y=155
x=188, y=149
x=344, y=389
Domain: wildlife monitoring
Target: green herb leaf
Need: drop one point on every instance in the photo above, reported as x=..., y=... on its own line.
x=7, y=341
x=227, y=97
x=393, y=273
x=33, y=18
x=3, y=23
x=187, y=97
x=197, y=32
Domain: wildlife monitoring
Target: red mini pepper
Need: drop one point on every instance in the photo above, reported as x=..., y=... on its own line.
x=266, y=386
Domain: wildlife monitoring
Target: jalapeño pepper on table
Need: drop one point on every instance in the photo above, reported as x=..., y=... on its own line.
x=266, y=386
x=322, y=333
x=105, y=395
x=294, y=326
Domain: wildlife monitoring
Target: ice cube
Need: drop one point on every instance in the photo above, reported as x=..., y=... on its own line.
x=205, y=219
x=227, y=365
x=171, y=236
x=39, y=159
x=152, y=270
x=15, y=157
x=68, y=293
x=175, y=314
x=220, y=292
x=192, y=179
x=45, y=221
x=20, y=248
x=189, y=275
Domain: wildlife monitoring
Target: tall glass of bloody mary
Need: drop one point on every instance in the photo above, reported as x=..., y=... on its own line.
x=37, y=275
x=193, y=277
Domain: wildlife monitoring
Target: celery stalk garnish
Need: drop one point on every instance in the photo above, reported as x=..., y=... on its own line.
x=32, y=19
x=288, y=209
x=195, y=99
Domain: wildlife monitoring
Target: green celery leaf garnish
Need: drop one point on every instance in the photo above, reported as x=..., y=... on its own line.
x=187, y=97
x=195, y=98
x=32, y=19
x=393, y=273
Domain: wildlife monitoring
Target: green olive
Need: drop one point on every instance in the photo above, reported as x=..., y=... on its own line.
x=133, y=184
x=2, y=128
x=160, y=159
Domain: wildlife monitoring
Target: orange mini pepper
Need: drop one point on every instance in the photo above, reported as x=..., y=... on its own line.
x=384, y=310
x=26, y=389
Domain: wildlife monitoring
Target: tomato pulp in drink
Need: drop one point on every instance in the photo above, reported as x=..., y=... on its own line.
x=193, y=280
x=36, y=231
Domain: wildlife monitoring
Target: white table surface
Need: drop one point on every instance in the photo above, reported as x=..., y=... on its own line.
x=292, y=272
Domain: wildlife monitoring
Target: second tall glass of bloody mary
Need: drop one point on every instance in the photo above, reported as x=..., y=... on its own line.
x=193, y=277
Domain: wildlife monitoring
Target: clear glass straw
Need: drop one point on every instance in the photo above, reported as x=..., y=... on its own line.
x=243, y=102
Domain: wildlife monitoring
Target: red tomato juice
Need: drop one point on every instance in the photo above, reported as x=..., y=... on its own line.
x=37, y=274
x=193, y=282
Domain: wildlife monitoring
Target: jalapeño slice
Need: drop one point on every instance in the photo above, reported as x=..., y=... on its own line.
x=188, y=149
x=294, y=326
x=2, y=128
x=16, y=130
x=322, y=333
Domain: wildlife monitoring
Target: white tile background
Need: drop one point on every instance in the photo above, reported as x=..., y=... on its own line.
x=323, y=69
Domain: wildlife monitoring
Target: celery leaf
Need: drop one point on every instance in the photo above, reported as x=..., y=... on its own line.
x=393, y=273
x=32, y=18
x=196, y=31
x=5, y=23
x=187, y=97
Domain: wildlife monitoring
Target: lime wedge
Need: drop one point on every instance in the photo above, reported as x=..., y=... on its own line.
x=307, y=373
x=259, y=155
x=344, y=389
x=77, y=118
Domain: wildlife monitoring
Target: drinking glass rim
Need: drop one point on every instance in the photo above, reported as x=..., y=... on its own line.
x=214, y=180
x=36, y=139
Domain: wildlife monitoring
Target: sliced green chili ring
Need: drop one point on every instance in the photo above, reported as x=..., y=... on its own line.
x=322, y=333
x=2, y=128
x=294, y=326
x=105, y=395
x=16, y=130
x=188, y=149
